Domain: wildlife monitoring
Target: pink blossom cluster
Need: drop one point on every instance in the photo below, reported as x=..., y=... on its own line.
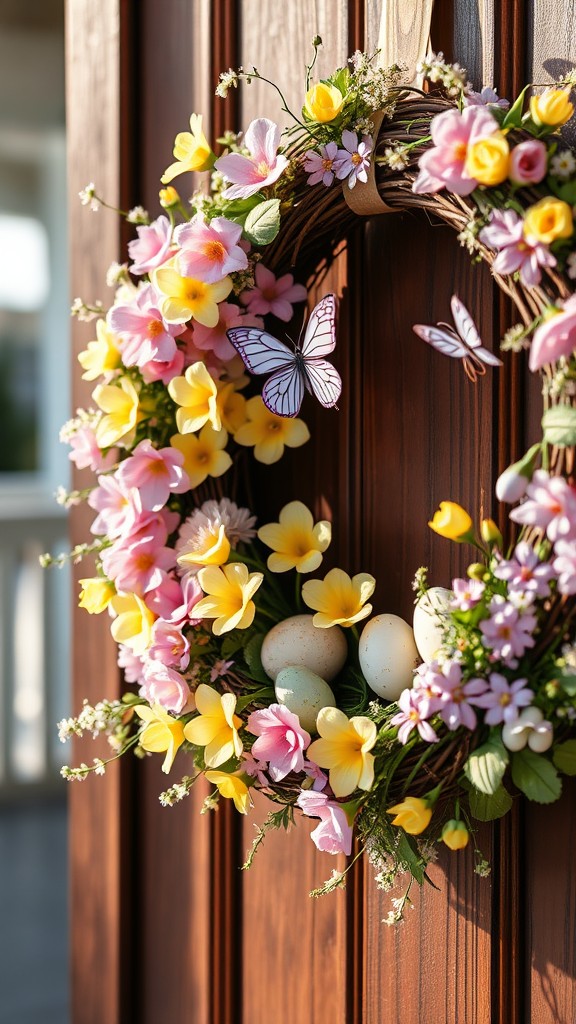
x=550, y=504
x=351, y=162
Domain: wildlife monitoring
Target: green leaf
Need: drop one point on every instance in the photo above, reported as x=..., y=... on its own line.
x=263, y=222
x=408, y=855
x=568, y=684
x=559, y=426
x=565, y=191
x=513, y=118
x=486, y=807
x=238, y=209
x=536, y=777
x=486, y=766
x=253, y=659
x=564, y=757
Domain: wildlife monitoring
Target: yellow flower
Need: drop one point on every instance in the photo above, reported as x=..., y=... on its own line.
x=100, y=356
x=344, y=749
x=191, y=150
x=490, y=533
x=323, y=102
x=216, y=727
x=168, y=197
x=270, y=433
x=231, y=406
x=548, y=219
x=232, y=787
x=552, y=107
x=196, y=393
x=229, y=602
x=162, y=733
x=296, y=541
x=186, y=298
x=96, y=594
x=204, y=454
x=487, y=159
x=455, y=834
x=122, y=414
x=214, y=549
x=339, y=600
x=413, y=814
x=133, y=623
x=452, y=521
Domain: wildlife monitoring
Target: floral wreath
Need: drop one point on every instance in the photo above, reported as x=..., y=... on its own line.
x=406, y=736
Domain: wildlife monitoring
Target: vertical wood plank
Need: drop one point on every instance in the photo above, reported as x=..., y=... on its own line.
x=401, y=32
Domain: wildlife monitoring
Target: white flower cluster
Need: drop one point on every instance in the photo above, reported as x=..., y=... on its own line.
x=453, y=77
x=177, y=792
x=84, y=312
x=138, y=215
x=104, y=717
x=89, y=198
x=228, y=80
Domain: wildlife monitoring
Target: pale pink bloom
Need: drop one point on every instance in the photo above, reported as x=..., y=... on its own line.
x=503, y=700
x=487, y=98
x=210, y=251
x=165, y=371
x=508, y=632
x=155, y=526
x=428, y=685
x=565, y=566
x=87, y=455
x=511, y=485
x=414, y=711
x=321, y=165
x=169, y=645
x=467, y=594
x=555, y=337
x=281, y=740
x=528, y=162
x=174, y=600
x=442, y=166
x=143, y=333
x=353, y=161
x=215, y=339
x=194, y=354
x=505, y=233
x=525, y=572
x=333, y=834
x=152, y=247
x=118, y=507
x=163, y=685
x=458, y=696
x=132, y=664
x=550, y=504
x=248, y=174
x=219, y=668
x=136, y=567
x=273, y=295
x=156, y=473
x=255, y=769
x=314, y=772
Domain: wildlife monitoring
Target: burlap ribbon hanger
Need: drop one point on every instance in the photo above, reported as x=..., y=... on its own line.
x=364, y=199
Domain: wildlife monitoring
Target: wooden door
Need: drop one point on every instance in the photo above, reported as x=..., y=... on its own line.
x=165, y=926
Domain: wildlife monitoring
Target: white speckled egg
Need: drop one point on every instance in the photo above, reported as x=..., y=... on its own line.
x=296, y=641
x=428, y=623
x=387, y=655
x=304, y=693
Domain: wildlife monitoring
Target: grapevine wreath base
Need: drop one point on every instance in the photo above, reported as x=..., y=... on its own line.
x=242, y=656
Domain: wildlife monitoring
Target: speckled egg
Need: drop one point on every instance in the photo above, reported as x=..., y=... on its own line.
x=428, y=619
x=296, y=641
x=387, y=655
x=304, y=693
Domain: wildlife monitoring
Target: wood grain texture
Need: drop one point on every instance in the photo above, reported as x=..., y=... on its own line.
x=474, y=37
x=400, y=31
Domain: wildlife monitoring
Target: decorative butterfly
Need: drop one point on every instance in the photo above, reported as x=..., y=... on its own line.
x=292, y=371
x=463, y=342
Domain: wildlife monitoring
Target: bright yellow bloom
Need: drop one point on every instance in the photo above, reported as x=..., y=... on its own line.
x=195, y=393
x=296, y=541
x=214, y=549
x=232, y=787
x=96, y=594
x=323, y=102
x=270, y=433
x=133, y=623
x=344, y=749
x=413, y=814
x=455, y=834
x=168, y=197
x=452, y=521
x=162, y=733
x=552, y=107
x=487, y=159
x=230, y=590
x=216, y=727
x=120, y=404
x=186, y=298
x=231, y=406
x=490, y=533
x=100, y=356
x=548, y=220
x=191, y=150
x=204, y=454
x=339, y=600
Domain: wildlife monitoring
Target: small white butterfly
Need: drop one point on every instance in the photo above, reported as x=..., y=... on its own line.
x=292, y=371
x=462, y=342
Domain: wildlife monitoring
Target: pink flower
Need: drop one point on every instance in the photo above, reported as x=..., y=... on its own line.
x=333, y=834
x=504, y=699
x=215, y=339
x=263, y=167
x=528, y=162
x=118, y=506
x=555, y=337
x=505, y=233
x=414, y=710
x=156, y=473
x=525, y=572
x=87, y=455
x=163, y=685
x=551, y=505
x=321, y=165
x=457, y=697
x=467, y=594
x=131, y=663
x=210, y=251
x=314, y=772
x=174, y=600
x=152, y=247
x=157, y=369
x=442, y=166
x=353, y=161
x=487, y=98
x=255, y=769
x=273, y=295
x=565, y=566
x=144, y=334
x=508, y=632
x=136, y=567
x=169, y=645
x=281, y=740
x=219, y=668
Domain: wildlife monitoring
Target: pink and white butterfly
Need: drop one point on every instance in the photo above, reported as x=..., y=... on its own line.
x=294, y=370
x=462, y=342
